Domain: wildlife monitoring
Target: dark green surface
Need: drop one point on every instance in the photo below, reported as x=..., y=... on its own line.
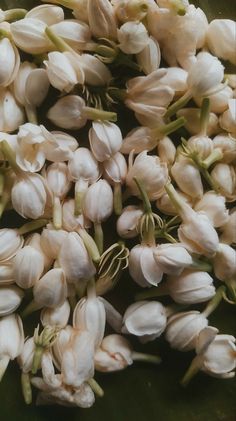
x=141, y=392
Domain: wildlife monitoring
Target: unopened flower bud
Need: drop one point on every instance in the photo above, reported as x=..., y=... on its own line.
x=228, y=235
x=105, y=140
x=132, y=37
x=28, y=266
x=227, y=145
x=98, y=202
x=12, y=114
x=12, y=340
x=74, y=32
x=166, y=150
x=143, y=268
x=9, y=55
x=47, y=13
x=10, y=299
x=187, y=176
x=149, y=57
x=224, y=263
x=51, y=289
x=220, y=36
x=57, y=316
x=225, y=177
x=114, y=354
x=29, y=36
x=228, y=118
x=52, y=240
x=127, y=223
x=172, y=258
x=102, y=19
x=10, y=243
x=213, y=205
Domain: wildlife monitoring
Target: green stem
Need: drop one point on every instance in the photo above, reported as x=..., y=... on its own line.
x=154, y=292
x=81, y=187
x=180, y=103
x=117, y=199
x=201, y=265
x=98, y=236
x=204, y=116
x=231, y=285
x=57, y=213
x=96, y=388
x=90, y=244
x=213, y=304
x=3, y=202
x=95, y=114
x=194, y=368
x=32, y=226
x=11, y=157
x=209, y=179
x=59, y=42
x=215, y=156
x=2, y=182
x=169, y=128
x=26, y=388
x=38, y=353
x=31, y=114
x=14, y=14
x=30, y=308
x=146, y=202
x=147, y=358
x=176, y=200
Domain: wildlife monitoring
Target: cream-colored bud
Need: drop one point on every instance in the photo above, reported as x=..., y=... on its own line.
x=51, y=290
x=77, y=370
x=12, y=340
x=150, y=57
x=10, y=299
x=127, y=223
x=114, y=354
x=130, y=10
x=213, y=205
x=187, y=176
x=30, y=155
x=172, y=258
x=60, y=71
x=58, y=146
x=9, y=55
x=183, y=330
x=11, y=113
x=68, y=112
x=165, y=205
x=10, y=243
x=151, y=171
x=96, y=73
x=25, y=359
x=28, y=266
x=221, y=37
x=115, y=169
x=58, y=179
x=132, y=37
x=166, y=150
x=228, y=235
x=20, y=82
x=143, y=268
x=74, y=32
x=224, y=263
x=227, y=145
x=219, y=100
x=70, y=221
x=193, y=122
x=144, y=319
x=105, y=140
x=98, y=201
x=57, y=316
x=191, y=287
x=101, y=17
x=74, y=259
x=29, y=36
x=138, y=140
x=29, y=196
x=200, y=144
x=47, y=13
x=6, y=273
x=52, y=240
x=228, y=118
x=224, y=176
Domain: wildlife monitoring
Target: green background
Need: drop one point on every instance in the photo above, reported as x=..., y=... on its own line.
x=141, y=392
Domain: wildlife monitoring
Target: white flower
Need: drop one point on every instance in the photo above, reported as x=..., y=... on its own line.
x=172, y=258
x=51, y=289
x=25, y=359
x=29, y=35
x=183, y=329
x=224, y=263
x=227, y=145
x=144, y=319
x=138, y=140
x=30, y=155
x=98, y=201
x=150, y=57
x=10, y=243
x=46, y=13
x=74, y=32
x=191, y=287
x=219, y=100
x=115, y=169
x=128, y=221
x=200, y=144
x=228, y=235
x=224, y=176
x=57, y=316
x=52, y=240
x=132, y=37
x=114, y=354
x=165, y=205
x=9, y=55
x=193, y=123
x=60, y=71
x=28, y=266
x=6, y=273
x=68, y=112
x=105, y=140
x=213, y=205
x=166, y=150
x=70, y=221
x=12, y=340
x=96, y=73
x=143, y=268
x=102, y=19
x=221, y=38
x=58, y=146
x=228, y=118
x=10, y=299
x=130, y=10
x=151, y=171
x=11, y=113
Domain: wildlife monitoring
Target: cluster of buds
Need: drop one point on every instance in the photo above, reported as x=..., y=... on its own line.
x=172, y=194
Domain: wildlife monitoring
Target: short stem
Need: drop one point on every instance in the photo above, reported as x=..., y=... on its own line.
x=26, y=388
x=205, y=115
x=215, y=156
x=231, y=285
x=2, y=182
x=169, y=128
x=14, y=14
x=31, y=114
x=95, y=114
x=194, y=368
x=96, y=388
x=201, y=265
x=32, y=226
x=90, y=46
x=98, y=236
x=91, y=290
x=57, y=213
x=59, y=42
x=113, y=317
x=147, y=358
x=4, y=361
x=81, y=187
x=117, y=199
x=176, y=200
x=30, y=308
x=11, y=157
x=3, y=202
x=38, y=353
x=213, y=304
x=90, y=244
x=144, y=196
x=72, y=301
x=180, y=103
x=154, y=292
x=81, y=287
x=209, y=179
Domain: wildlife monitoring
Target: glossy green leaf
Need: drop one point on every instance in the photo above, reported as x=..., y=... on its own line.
x=140, y=393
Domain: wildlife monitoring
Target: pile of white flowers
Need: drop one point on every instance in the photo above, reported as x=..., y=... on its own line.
x=174, y=228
